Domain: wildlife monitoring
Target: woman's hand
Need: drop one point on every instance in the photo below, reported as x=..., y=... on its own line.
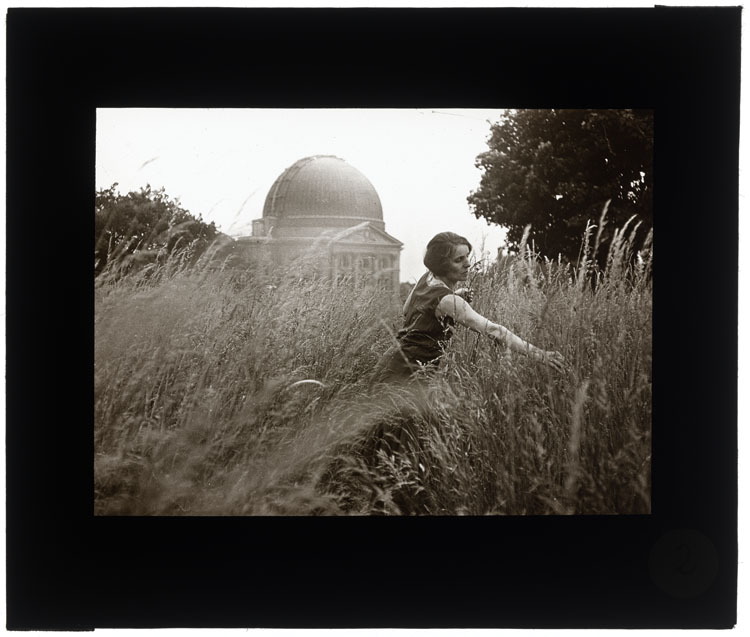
x=467, y=294
x=554, y=360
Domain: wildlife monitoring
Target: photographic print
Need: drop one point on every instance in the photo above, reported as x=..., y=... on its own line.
x=425, y=311
x=373, y=328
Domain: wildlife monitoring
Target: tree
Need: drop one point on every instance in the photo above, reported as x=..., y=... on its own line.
x=146, y=224
x=556, y=169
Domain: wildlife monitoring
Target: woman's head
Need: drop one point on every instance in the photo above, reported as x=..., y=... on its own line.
x=445, y=248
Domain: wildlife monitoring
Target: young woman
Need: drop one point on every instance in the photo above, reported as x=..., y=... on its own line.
x=435, y=305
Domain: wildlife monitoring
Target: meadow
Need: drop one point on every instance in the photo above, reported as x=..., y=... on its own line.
x=247, y=391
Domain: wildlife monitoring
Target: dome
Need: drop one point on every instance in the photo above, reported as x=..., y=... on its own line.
x=324, y=191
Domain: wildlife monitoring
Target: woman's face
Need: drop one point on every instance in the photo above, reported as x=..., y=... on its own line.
x=458, y=265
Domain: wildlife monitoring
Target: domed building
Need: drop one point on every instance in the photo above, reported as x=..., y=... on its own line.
x=324, y=207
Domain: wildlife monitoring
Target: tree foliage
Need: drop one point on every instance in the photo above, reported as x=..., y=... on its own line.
x=556, y=169
x=145, y=226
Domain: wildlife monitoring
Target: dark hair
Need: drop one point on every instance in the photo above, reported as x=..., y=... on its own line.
x=440, y=250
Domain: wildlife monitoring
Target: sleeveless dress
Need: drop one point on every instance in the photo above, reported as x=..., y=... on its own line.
x=396, y=437
x=421, y=342
x=420, y=345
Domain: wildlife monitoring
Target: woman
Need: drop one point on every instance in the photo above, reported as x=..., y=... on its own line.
x=435, y=305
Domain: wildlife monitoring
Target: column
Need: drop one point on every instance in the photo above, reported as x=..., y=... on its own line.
x=395, y=274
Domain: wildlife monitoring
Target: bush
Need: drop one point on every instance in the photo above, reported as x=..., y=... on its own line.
x=143, y=228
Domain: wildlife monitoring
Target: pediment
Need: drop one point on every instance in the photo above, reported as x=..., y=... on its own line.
x=367, y=234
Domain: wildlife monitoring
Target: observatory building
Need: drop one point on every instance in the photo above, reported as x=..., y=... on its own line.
x=322, y=207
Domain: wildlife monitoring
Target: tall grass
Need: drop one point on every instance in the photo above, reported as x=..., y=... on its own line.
x=198, y=408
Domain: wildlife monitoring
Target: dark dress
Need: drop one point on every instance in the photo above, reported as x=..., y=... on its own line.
x=421, y=342
x=419, y=347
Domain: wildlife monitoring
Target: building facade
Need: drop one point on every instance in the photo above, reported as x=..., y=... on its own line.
x=326, y=210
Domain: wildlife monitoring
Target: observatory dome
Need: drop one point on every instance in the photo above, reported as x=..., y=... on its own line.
x=322, y=191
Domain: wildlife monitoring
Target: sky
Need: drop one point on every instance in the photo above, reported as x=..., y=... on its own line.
x=221, y=163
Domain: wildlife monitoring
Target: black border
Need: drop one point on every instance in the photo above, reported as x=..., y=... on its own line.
x=68, y=570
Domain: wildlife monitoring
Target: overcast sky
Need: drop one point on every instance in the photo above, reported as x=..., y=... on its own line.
x=221, y=163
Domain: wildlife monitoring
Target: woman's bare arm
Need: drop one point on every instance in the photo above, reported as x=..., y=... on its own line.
x=457, y=308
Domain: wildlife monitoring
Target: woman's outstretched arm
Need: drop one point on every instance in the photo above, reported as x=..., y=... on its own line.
x=461, y=312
